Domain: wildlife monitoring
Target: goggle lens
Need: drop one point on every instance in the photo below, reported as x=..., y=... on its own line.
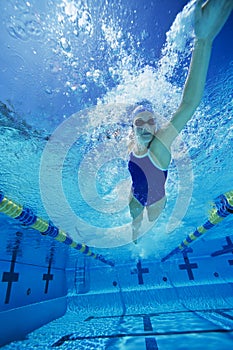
x=141, y=122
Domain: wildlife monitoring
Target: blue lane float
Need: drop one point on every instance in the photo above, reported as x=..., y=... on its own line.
x=26, y=217
x=223, y=206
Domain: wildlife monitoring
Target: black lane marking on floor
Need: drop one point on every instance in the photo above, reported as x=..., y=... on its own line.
x=73, y=337
x=224, y=314
x=151, y=344
x=147, y=323
x=91, y=318
x=158, y=313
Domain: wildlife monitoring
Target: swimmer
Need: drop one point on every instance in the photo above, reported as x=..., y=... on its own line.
x=150, y=151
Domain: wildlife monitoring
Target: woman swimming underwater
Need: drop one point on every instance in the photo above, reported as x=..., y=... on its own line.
x=150, y=151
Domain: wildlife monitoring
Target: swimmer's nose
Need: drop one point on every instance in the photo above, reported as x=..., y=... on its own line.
x=147, y=128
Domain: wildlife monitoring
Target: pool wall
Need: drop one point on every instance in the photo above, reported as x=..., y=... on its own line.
x=200, y=279
x=32, y=283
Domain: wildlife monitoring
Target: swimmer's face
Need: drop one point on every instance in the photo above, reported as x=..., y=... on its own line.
x=145, y=126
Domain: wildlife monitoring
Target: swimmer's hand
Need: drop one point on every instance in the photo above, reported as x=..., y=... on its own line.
x=210, y=17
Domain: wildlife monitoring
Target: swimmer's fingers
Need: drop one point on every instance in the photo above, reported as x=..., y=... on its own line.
x=210, y=17
x=198, y=7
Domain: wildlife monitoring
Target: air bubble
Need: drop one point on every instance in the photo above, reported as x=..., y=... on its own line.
x=33, y=28
x=84, y=23
x=17, y=30
x=21, y=5
x=65, y=44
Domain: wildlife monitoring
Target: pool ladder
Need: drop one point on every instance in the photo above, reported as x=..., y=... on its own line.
x=82, y=279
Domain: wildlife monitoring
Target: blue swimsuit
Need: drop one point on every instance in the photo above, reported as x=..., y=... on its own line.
x=148, y=181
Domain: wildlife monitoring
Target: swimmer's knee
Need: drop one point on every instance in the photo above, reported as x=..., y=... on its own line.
x=155, y=210
x=137, y=219
x=153, y=216
x=136, y=209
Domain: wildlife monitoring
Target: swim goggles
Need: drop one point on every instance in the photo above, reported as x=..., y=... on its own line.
x=141, y=122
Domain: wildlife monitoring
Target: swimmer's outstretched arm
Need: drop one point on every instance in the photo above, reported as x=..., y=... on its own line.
x=209, y=20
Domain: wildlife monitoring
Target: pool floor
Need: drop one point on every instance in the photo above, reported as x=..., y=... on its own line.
x=212, y=329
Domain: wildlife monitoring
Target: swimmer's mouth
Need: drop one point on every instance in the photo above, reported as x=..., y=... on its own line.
x=146, y=134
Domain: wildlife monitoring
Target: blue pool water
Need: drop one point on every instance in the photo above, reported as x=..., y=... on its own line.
x=69, y=70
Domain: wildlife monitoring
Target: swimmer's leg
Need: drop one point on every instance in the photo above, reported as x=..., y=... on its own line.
x=154, y=210
x=136, y=211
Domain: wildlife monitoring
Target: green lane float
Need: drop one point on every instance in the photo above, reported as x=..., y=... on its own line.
x=223, y=206
x=26, y=217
